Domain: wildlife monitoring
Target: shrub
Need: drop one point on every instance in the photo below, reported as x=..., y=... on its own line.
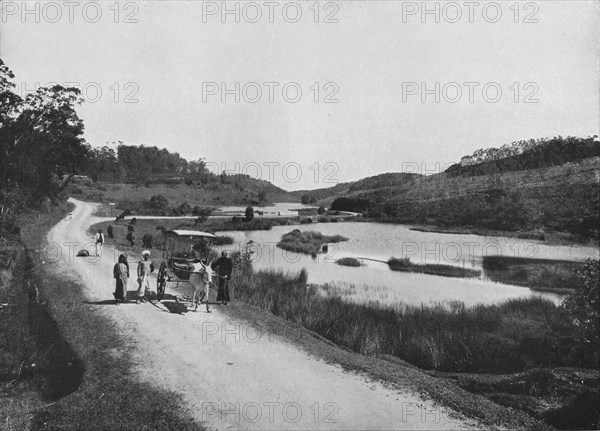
x=249, y=213
x=348, y=261
x=203, y=213
x=158, y=202
x=185, y=208
x=583, y=307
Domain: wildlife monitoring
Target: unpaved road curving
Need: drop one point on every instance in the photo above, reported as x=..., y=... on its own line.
x=230, y=375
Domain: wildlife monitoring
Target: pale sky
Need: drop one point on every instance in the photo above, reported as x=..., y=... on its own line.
x=163, y=62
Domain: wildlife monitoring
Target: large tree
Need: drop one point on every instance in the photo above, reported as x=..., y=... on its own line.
x=41, y=137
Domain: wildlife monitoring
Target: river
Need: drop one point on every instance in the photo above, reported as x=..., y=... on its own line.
x=375, y=281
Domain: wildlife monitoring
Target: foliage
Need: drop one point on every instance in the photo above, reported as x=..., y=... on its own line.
x=308, y=198
x=40, y=138
x=203, y=214
x=351, y=204
x=11, y=203
x=584, y=306
x=262, y=195
x=185, y=208
x=544, y=153
x=159, y=202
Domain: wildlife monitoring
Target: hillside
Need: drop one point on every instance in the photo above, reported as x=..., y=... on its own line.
x=378, y=181
x=236, y=190
x=493, y=194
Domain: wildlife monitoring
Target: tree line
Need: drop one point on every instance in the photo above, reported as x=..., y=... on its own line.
x=142, y=164
x=546, y=153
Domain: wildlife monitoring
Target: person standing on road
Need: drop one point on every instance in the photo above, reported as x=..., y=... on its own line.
x=99, y=242
x=145, y=267
x=223, y=267
x=121, y=274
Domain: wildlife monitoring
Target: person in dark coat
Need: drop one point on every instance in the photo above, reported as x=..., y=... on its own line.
x=223, y=266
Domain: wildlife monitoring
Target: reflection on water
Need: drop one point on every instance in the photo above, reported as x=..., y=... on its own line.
x=382, y=241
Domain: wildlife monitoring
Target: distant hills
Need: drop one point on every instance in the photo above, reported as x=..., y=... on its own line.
x=545, y=185
x=378, y=181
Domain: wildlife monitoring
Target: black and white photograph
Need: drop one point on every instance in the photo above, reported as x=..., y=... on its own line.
x=299, y=215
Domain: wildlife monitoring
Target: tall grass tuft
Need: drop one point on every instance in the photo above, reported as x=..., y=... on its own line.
x=406, y=265
x=309, y=242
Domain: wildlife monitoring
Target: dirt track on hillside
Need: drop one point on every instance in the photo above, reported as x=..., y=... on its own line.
x=230, y=375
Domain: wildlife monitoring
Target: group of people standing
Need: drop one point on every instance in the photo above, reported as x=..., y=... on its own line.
x=121, y=274
x=223, y=267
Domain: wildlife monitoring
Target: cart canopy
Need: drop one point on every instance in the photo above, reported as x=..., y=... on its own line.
x=188, y=233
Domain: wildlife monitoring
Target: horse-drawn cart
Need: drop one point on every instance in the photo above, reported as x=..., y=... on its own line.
x=181, y=247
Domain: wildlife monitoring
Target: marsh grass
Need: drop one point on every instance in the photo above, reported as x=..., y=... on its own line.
x=406, y=265
x=308, y=242
x=537, y=274
x=451, y=337
x=348, y=261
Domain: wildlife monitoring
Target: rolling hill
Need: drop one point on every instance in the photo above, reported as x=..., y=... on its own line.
x=550, y=187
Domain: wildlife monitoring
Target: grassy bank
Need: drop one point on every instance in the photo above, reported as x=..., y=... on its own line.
x=537, y=274
x=508, y=337
x=510, y=353
x=406, y=265
x=309, y=242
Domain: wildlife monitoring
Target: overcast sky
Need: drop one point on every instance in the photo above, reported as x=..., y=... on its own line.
x=368, y=61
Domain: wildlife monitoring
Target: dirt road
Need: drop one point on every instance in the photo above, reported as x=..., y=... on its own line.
x=230, y=375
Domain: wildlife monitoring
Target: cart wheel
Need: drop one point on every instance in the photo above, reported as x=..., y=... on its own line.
x=161, y=281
